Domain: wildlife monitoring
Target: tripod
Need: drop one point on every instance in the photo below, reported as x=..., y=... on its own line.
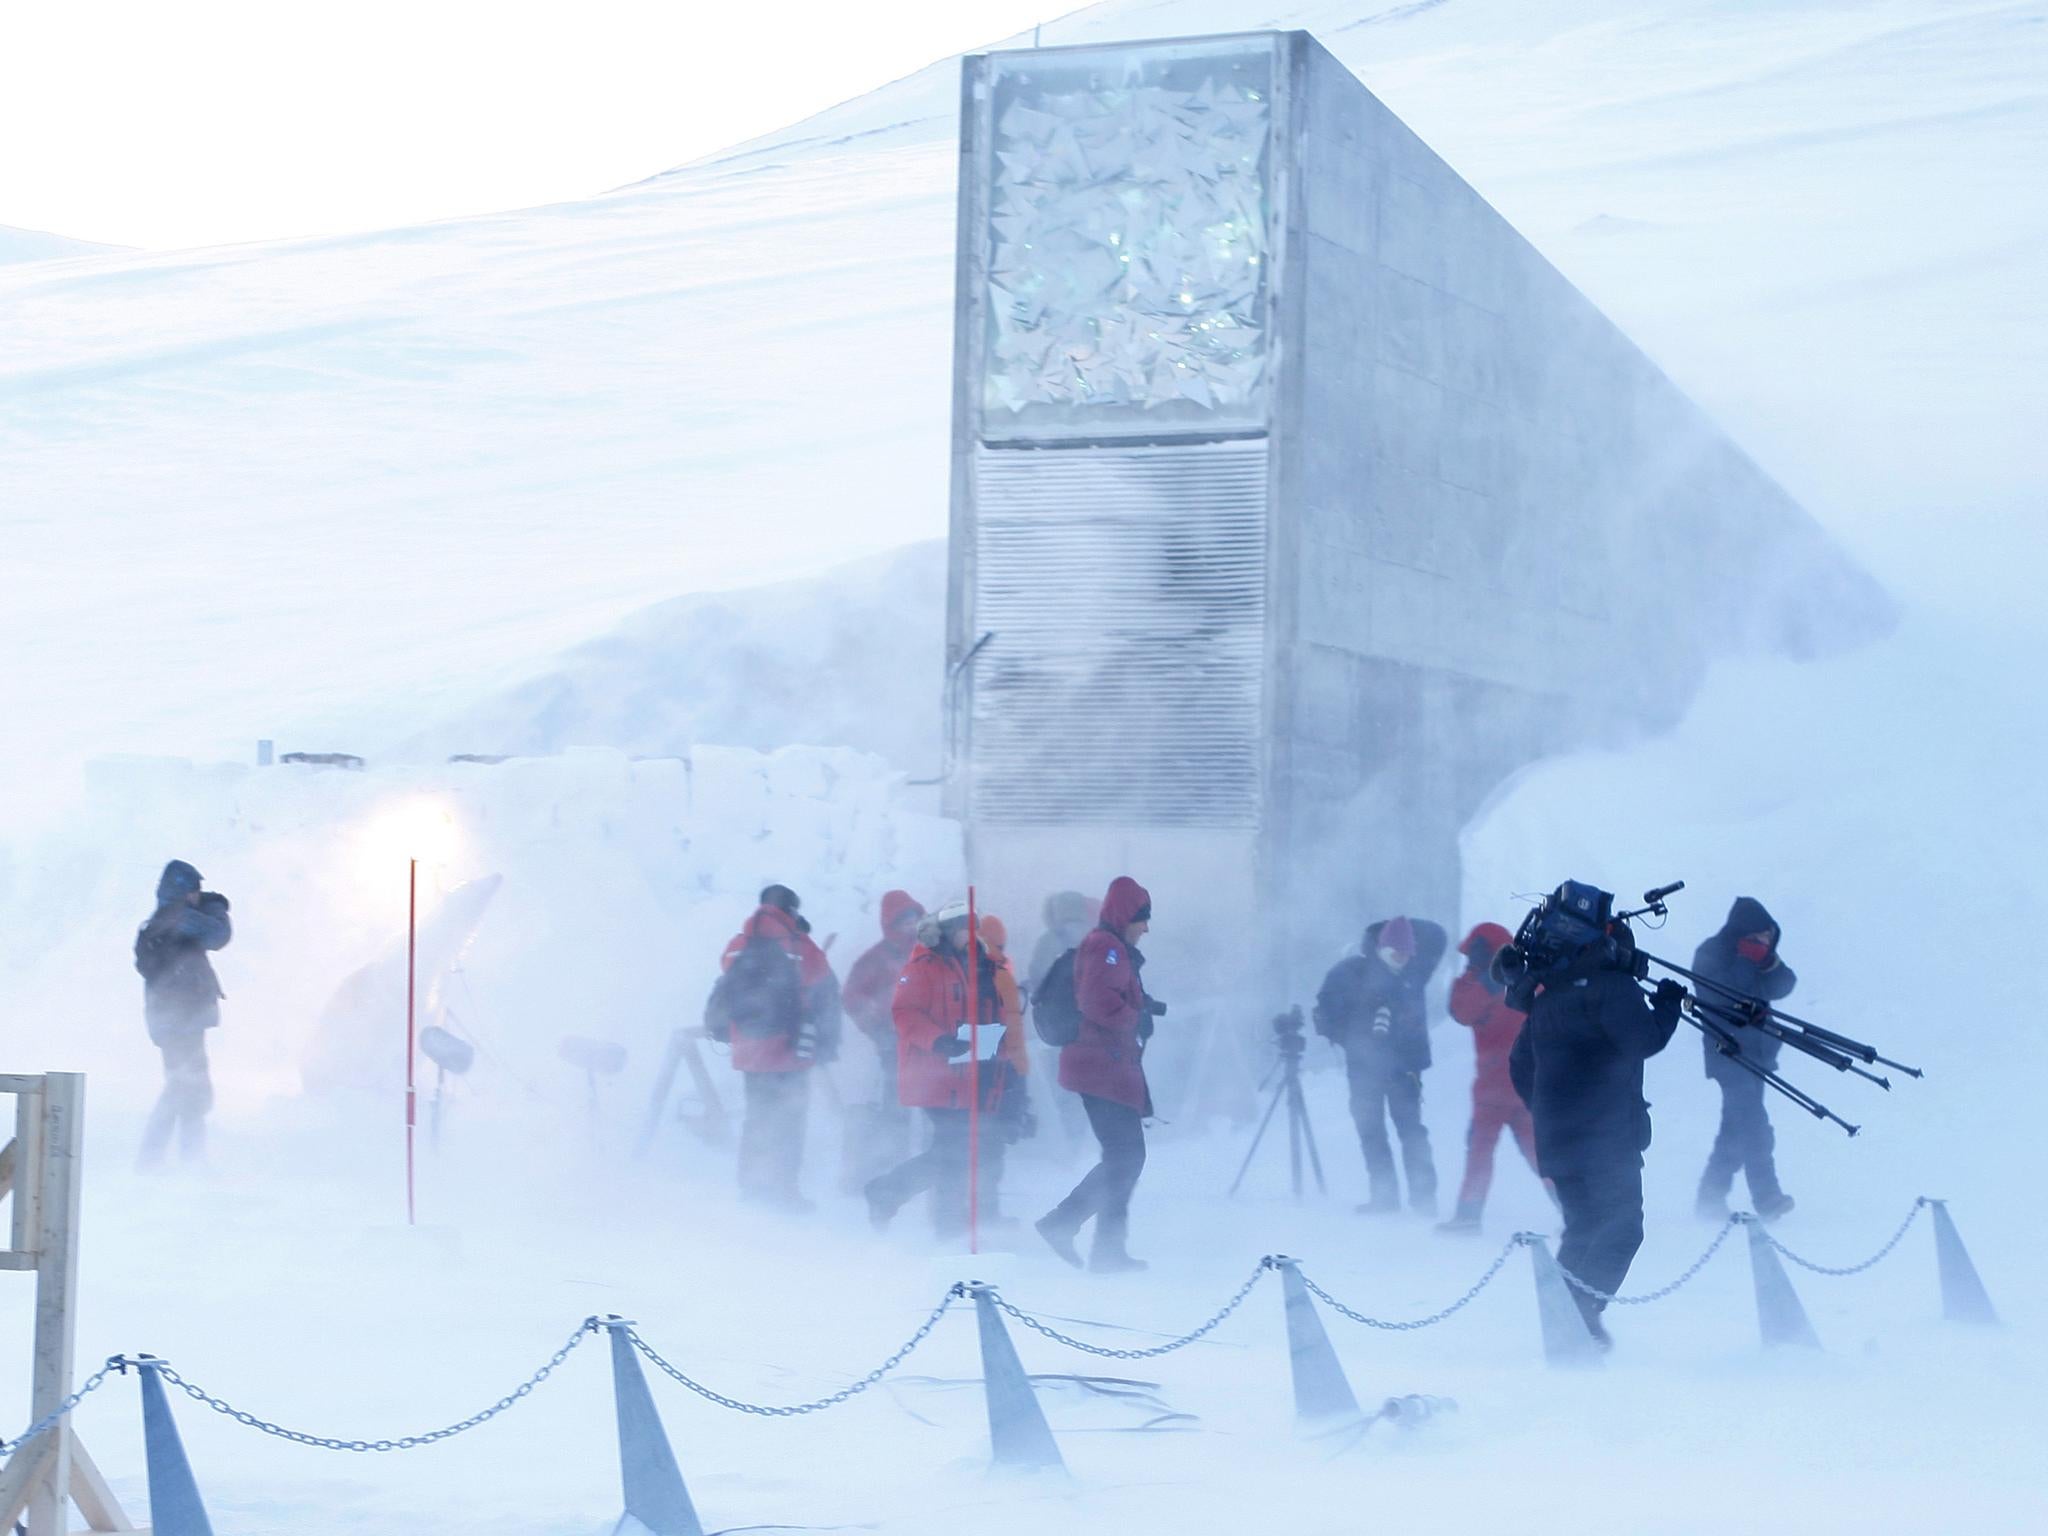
x=1287, y=1035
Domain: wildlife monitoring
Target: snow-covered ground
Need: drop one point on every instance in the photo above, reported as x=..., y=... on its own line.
x=441, y=489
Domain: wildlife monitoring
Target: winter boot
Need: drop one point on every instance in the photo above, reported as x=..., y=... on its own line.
x=1059, y=1237
x=1778, y=1205
x=1709, y=1206
x=1380, y=1205
x=1110, y=1259
x=879, y=1209
x=1464, y=1220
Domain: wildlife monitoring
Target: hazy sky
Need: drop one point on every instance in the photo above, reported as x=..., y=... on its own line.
x=144, y=122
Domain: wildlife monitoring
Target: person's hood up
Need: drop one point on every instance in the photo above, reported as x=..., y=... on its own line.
x=1124, y=900
x=994, y=933
x=1068, y=909
x=1485, y=938
x=1747, y=916
x=894, y=905
x=178, y=881
x=775, y=923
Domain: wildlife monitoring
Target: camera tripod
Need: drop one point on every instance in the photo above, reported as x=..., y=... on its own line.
x=1287, y=1034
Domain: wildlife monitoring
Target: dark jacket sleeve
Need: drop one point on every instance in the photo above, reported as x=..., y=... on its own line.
x=1628, y=1018
x=1776, y=984
x=1430, y=943
x=1337, y=1000
x=207, y=924
x=1522, y=1067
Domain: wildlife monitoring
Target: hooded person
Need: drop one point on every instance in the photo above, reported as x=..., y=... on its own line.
x=777, y=1001
x=1744, y=956
x=871, y=983
x=1479, y=1002
x=1371, y=1005
x=935, y=1019
x=180, y=1002
x=1105, y=1066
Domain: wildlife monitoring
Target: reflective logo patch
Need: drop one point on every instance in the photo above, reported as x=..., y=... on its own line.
x=1112, y=957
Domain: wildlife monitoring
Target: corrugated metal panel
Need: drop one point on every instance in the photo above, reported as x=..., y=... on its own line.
x=1126, y=587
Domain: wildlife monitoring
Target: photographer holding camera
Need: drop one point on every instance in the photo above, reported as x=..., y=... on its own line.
x=1371, y=1006
x=180, y=1003
x=1578, y=1065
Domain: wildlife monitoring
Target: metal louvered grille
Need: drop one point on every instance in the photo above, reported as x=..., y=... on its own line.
x=1126, y=588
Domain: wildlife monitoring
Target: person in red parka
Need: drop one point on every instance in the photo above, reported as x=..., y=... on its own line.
x=1478, y=1002
x=1105, y=1065
x=933, y=1071
x=777, y=1001
x=871, y=986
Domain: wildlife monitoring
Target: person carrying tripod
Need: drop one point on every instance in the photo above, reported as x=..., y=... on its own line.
x=1744, y=956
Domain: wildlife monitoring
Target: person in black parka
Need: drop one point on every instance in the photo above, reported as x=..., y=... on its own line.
x=1371, y=1006
x=180, y=1003
x=1744, y=956
x=1578, y=1065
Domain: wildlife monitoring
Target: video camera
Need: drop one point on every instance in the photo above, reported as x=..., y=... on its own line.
x=1575, y=929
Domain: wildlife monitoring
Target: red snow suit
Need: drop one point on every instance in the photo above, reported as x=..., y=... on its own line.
x=1105, y=1060
x=778, y=1053
x=1494, y=1025
x=871, y=984
x=931, y=1003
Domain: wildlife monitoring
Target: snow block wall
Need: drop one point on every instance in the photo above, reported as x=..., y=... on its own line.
x=617, y=883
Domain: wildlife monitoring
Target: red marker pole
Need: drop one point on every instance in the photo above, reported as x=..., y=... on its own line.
x=973, y=1076
x=412, y=931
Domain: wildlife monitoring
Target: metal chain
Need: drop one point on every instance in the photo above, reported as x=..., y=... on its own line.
x=1852, y=1269
x=791, y=1410
x=1167, y=1348
x=1459, y=1305
x=92, y=1384
x=404, y=1442
x=1661, y=1292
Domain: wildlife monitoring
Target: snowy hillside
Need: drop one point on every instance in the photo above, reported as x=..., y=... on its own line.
x=37, y=245
x=387, y=475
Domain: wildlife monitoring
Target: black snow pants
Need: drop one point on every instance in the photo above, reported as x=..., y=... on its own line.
x=1603, y=1228
x=1745, y=1141
x=1379, y=1094
x=1105, y=1190
x=772, y=1136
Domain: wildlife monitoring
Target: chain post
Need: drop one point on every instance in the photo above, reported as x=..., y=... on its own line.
x=1567, y=1337
x=175, y=1508
x=1018, y=1435
x=1963, y=1297
x=1321, y=1390
x=650, y=1480
x=1780, y=1315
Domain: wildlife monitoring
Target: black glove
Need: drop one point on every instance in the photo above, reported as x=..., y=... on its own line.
x=950, y=1046
x=1155, y=1007
x=1668, y=996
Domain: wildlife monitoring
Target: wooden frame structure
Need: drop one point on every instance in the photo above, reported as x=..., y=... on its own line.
x=41, y=1169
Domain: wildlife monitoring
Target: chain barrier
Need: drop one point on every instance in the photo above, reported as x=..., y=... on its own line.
x=1661, y=1292
x=404, y=1442
x=1150, y=1352
x=49, y=1420
x=792, y=1410
x=1852, y=1269
x=1464, y=1301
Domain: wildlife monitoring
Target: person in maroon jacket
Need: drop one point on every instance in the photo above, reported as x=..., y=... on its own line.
x=871, y=986
x=778, y=1003
x=1478, y=1002
x=1105, y=1065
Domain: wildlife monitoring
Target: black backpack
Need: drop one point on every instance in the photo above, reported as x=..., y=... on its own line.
x=761, y=994
x=156, y=949
x=1055, y=1012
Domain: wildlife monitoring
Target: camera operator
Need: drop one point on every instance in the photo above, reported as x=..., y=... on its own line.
x=180, y=1003
x=1371, y=1006
x=1744, y=956
x=1105, y=1065
x=1578, y=1065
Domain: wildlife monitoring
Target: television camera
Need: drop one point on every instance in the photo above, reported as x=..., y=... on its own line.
x=1575, y=930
